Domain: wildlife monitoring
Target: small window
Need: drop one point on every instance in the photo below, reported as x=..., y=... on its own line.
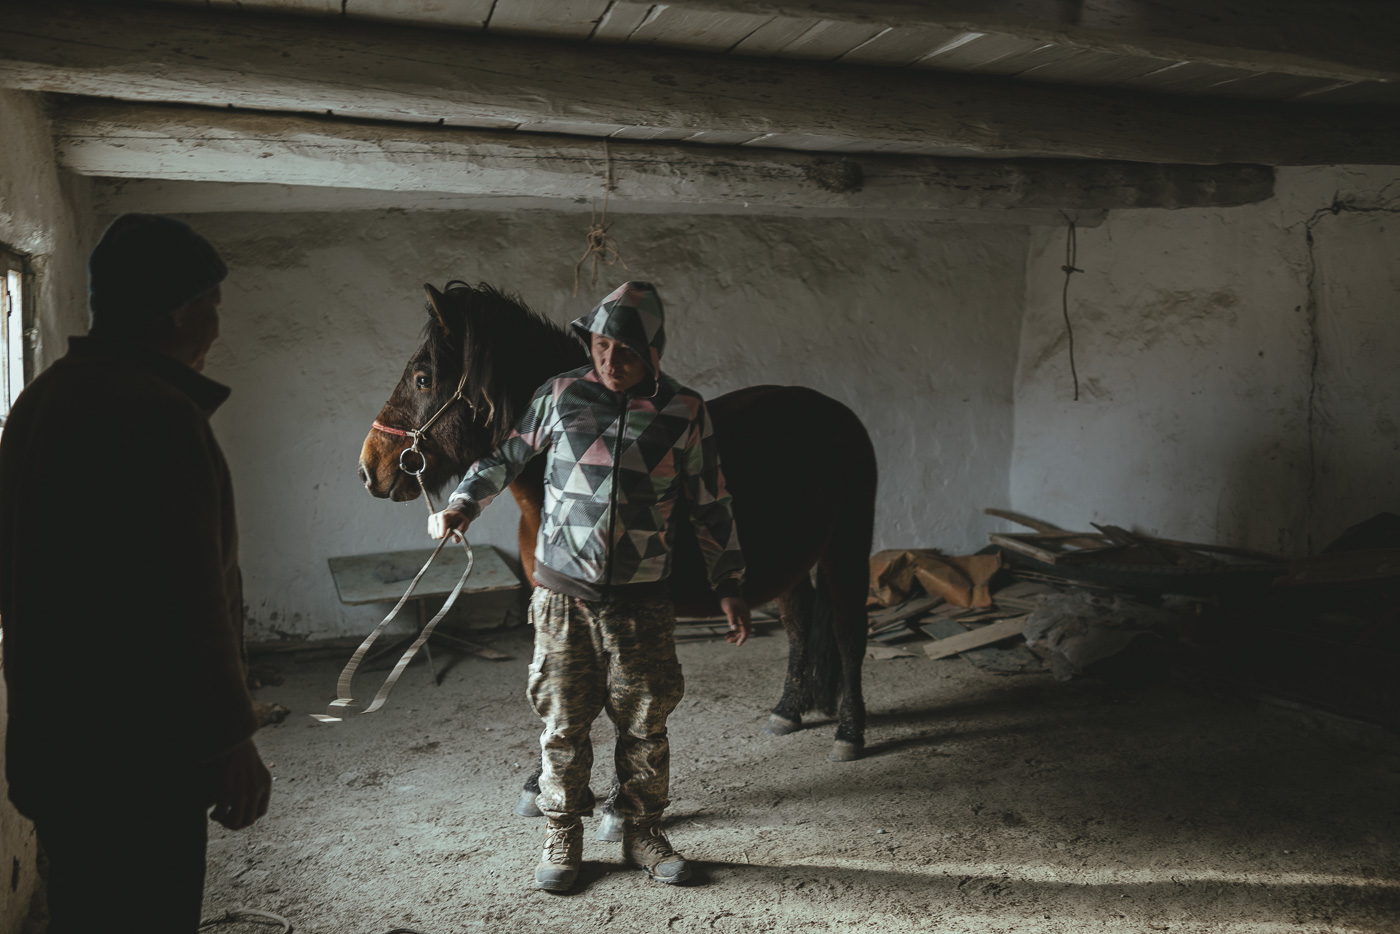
x=16, y=328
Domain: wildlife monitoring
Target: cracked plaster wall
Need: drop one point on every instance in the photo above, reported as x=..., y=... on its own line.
x=44, y=214
x=911, y=324
x=1236, y=384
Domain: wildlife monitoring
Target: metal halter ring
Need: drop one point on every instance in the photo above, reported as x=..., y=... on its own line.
x=422, y=461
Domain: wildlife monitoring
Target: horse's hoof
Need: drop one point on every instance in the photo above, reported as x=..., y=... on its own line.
x=844, y=751
x=526, y=806
x=782, y=726
x=610, y=828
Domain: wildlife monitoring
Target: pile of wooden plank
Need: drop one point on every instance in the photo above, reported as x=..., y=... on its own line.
x=933, y=628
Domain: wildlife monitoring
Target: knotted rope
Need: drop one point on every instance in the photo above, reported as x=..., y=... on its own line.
x=600, y=245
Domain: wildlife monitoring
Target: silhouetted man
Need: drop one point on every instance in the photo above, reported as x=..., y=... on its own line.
x=120, y=597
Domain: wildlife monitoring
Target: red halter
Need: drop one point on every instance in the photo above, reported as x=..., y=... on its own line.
x=416, y=435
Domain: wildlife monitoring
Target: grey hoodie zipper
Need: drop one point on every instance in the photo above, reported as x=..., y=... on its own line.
x=612, y=499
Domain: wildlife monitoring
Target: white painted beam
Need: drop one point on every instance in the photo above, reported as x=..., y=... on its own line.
x=389, y=73
x=187, y=144
x=117, y=196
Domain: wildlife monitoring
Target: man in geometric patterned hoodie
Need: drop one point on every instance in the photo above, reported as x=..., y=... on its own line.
x=624, y=444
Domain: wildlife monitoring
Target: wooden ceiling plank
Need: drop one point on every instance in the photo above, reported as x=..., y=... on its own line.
x=1322, y=38
x=465, y=14
x=862, y=147
x=1186, y=78
x=1273, y=87
x=979, y=52
x=722, y=137
x=131, y=141
x=572, y=128
x=1088, y=67
x=575, y=19
x=773, y=36
x=620, y=20
x=698, y=30
x=1359, y=93
x=827, y=40
x=391, y=73
x=901, y=45
x=799, y=142
x=296, y=7
x=1021, y=62
x=641, y=132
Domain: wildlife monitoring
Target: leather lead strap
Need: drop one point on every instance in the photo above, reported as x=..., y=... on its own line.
x=345, y=698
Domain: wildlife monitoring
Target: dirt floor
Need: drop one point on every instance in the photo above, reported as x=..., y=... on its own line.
x=984, y=804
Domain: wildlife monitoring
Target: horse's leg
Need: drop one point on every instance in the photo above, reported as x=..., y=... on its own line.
x=610, y=827
x=795, y=609
x=847, y=575
x=526, y=806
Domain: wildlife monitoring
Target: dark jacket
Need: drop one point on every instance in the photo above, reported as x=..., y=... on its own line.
x=120, y=597
x=617, y=466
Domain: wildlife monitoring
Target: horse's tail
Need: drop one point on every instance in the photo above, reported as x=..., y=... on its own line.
x=821, y=680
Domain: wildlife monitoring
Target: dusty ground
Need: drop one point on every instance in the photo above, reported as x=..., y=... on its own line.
x=985, y=804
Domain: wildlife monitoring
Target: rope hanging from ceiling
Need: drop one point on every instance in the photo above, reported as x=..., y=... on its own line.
x=1069, y=269
x=601, y=246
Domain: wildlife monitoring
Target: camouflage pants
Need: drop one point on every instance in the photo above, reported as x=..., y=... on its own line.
x=618, y=656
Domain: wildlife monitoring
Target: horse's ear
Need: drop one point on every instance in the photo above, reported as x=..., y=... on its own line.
x=435, y=300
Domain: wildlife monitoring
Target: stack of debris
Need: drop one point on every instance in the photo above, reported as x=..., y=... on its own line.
x=974, y=632
x=1066, y=602
x=1323, y=631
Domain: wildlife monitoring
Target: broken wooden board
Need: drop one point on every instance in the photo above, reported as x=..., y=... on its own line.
x=983, y=616
x=885, y=652
x=1052, y=547
x=903, y=612
x=1023, y=590
x=1038, y=525
x=1019, y=604
x=952, y=639
x=1341, y=566
x=1060, y=582
x=1050, y=543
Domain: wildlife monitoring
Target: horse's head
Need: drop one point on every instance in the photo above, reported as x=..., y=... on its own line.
x=481, y=344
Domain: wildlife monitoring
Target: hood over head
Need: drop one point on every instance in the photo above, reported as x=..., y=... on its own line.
x=633, y=316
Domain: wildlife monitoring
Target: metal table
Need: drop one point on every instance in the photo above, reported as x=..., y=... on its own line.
x=382, y=577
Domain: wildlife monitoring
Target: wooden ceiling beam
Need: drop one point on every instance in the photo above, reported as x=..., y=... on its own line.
x=1347, y=41
x=195, y=145
x=458, y=78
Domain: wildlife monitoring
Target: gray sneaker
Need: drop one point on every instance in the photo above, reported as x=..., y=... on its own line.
x=646, y=847
x=563, y=853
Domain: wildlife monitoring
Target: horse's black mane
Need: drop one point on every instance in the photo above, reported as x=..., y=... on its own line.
x=508, y=350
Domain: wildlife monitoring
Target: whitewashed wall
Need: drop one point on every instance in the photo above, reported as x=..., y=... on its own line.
x=913, y=325
x=43, y=213
x=1222, y=397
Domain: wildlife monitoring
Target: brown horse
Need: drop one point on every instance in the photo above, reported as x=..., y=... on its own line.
x=799, y=465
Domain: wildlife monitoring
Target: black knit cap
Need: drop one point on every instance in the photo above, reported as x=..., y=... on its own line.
x=143, y=269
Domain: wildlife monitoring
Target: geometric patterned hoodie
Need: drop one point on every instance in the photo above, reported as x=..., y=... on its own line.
x=617, y=465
